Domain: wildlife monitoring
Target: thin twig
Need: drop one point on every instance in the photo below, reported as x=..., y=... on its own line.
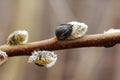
x=95, y=40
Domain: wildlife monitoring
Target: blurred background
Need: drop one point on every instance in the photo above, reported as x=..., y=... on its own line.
x=41, y=17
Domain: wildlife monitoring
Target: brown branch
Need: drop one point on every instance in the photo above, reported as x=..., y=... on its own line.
x=96, y=40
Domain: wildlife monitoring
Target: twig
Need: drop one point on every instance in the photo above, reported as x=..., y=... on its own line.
x=95, y=40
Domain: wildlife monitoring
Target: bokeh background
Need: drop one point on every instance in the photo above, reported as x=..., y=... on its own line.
x=41, y=17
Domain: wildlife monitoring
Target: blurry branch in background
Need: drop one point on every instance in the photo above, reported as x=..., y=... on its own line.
x=95, y=40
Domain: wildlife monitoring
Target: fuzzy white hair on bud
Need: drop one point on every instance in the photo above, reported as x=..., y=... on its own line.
x=112, y=31
x=78, y=29
x=3, y=57
x=43, y=58
x=71, y=30
x=18, y=37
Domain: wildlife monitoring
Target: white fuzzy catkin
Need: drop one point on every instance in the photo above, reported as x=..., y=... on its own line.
x=18, y=37
x=3, y=57
x=112, y=31
x=79, y=29
x=43, y=58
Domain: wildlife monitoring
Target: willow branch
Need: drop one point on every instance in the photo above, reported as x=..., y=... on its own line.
x=95, y=40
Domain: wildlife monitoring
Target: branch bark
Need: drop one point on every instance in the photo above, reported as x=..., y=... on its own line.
x=95, y=40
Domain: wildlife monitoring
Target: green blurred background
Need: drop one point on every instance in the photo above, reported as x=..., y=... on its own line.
x=41, y=17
